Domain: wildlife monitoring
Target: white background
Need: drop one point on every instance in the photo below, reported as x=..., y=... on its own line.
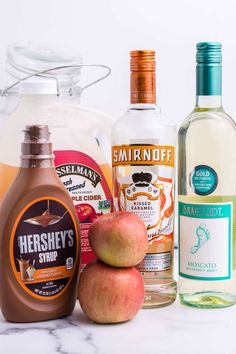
x=104, y=31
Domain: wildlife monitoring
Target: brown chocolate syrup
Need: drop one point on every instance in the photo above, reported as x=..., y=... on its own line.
x=39, y=238
x=46, y=218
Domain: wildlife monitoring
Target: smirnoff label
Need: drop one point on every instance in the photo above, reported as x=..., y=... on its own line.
x=143, y=155
x=144, y=184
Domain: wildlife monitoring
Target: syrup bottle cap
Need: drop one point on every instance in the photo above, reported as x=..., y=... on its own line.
x=36, y=144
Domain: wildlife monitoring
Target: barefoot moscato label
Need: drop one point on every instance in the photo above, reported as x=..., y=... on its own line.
x=205, y=240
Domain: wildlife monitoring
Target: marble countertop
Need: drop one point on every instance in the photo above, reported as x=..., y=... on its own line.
x=173, y=329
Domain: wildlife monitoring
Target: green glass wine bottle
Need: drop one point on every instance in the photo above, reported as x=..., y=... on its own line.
x=207, y=190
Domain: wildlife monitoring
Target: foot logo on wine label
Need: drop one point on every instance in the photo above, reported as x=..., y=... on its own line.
x=203, y=235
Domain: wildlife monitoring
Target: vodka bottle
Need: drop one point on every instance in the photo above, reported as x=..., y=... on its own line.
x=143, y=177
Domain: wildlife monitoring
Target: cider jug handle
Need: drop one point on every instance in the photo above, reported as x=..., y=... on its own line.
x=76, y=89
x=102, y=134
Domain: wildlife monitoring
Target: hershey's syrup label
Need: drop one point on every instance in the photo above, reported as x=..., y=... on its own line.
x=44, y=247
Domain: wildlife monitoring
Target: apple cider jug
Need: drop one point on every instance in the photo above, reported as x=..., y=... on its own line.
x=43, y=88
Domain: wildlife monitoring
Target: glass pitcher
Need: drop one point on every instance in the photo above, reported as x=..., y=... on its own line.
x=43, y=88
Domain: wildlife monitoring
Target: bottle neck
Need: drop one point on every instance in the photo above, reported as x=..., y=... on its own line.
x=209, y=85
x=142, y=88
x=36, y=149
x=208, y=101
x=142, y=106
x=38, y=100
x=37, y=163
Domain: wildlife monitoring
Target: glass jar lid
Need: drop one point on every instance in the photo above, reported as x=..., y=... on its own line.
x=61, y=64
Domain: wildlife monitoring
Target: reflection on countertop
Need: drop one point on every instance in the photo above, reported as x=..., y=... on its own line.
x=174, y=329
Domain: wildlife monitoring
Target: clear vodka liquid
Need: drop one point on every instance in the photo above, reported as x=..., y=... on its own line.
x=143, y=177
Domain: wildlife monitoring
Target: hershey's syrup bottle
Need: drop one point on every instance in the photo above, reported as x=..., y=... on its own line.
x=39, y=238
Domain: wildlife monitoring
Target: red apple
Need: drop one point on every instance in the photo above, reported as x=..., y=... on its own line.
x=110, y=295
x=84, y=212
x=93, y=217
x=119, y=239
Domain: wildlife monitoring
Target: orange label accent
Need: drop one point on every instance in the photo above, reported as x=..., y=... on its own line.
x=142, y=194
x=143, y=87
x=47, y=274
x=143, y=155
x=143, y=77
